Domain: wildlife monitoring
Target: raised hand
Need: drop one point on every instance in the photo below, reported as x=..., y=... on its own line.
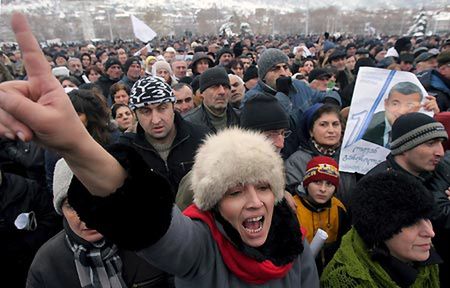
x=37, y=109
x=431, y=104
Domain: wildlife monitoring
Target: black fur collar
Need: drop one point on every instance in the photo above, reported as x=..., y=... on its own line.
x=283, y=244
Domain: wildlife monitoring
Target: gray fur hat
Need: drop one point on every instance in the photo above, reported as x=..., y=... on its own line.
x=231, y=157
x=61, y=182
x=270, y=58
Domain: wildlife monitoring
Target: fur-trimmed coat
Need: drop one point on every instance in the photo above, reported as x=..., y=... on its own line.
x=172, y=242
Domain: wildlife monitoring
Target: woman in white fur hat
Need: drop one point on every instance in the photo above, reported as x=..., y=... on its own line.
x=240, y=231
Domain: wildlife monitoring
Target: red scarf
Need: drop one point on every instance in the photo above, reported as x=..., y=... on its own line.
x=244, y=267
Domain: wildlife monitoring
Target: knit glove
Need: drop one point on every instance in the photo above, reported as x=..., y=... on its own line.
x=134, y=217
x=283, y=84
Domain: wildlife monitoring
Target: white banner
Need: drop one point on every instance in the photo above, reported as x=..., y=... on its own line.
x=141, y=30
x=380, y=97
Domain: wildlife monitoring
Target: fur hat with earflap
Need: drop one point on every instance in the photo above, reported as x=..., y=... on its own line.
x=232, y=157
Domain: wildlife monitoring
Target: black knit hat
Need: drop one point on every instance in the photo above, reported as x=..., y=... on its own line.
x=318, y=73
x=413, y=129
x=112, y=61
x=251, y=73
x=214, y=76
x=263, y=112
x=224, y=50
x=130, y=61
x=386, y=203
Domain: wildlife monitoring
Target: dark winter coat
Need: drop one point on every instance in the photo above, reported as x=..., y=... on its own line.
x=18, y=247
x=22, y=158
x=299, y=99
x=105, y=83
x=181, y=155
x=54, y=267
x=199, y=116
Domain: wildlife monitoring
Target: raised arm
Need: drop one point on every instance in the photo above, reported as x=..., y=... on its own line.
x=39, y=110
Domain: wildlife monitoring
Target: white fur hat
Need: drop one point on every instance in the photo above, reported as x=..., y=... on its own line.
x=232, y=157
x=61, y=182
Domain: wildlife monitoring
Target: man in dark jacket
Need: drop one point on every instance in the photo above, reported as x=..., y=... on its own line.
x=215, y=112
x=113, y=72
x=166, y=142
x=416, y=149
x=437, y=81
x=132, y=69
x=295, y=96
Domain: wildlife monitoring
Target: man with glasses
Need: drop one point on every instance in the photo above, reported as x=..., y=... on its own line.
x=275, y=79
x=437, y=81
x=263, y=113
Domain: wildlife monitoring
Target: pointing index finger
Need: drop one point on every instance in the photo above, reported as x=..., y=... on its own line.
x=37, y=67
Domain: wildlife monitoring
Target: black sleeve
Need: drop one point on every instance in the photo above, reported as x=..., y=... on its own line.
x=439, y=183
x=138, y=214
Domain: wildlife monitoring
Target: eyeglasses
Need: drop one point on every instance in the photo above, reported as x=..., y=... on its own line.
x=275, y=134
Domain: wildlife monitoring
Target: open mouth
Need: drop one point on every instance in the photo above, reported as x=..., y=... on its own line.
x=253, y=225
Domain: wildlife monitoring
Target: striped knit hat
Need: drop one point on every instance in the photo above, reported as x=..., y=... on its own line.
x=412, y=129
x=150, y=90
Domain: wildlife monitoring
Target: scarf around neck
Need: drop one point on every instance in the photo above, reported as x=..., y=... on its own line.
x=244, y=267
x=326, y=151
x=97, y=264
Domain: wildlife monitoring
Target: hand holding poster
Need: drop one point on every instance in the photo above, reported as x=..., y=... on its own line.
x=380, y=97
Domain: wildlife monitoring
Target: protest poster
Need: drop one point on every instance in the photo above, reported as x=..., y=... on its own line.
x=380, y=97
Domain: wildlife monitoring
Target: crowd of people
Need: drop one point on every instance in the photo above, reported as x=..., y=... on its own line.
x=214, y=162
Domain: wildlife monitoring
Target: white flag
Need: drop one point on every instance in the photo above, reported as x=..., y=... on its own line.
x=141, y=30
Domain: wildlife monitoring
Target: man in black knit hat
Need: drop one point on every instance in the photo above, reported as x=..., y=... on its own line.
x=263, y=113
x=416, y=149
x=132, y=69
x=215, y=112
x=113, y=72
